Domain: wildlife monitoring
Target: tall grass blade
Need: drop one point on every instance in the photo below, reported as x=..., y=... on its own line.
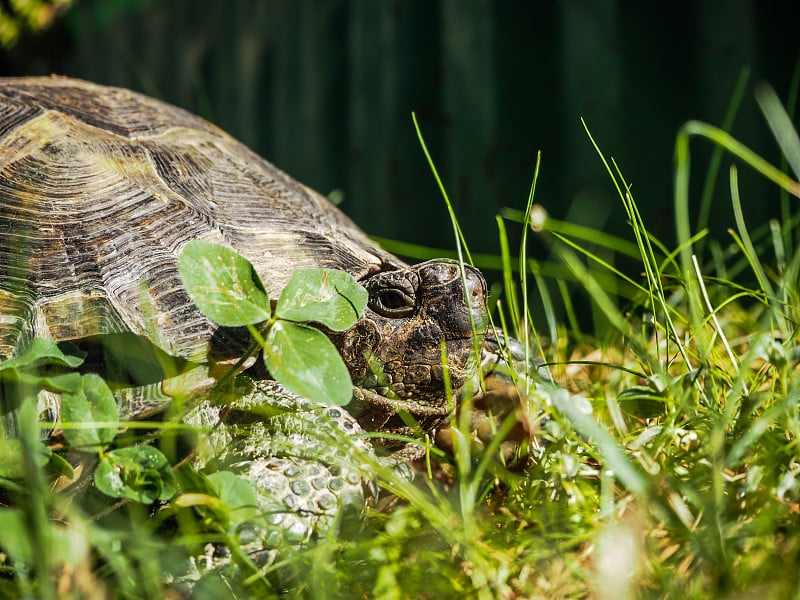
x=523, y=262
x=716, y=155
x=509, y=285
x=787, y=208
x=781, y=126
x=713, y=316
x=461, y=245
x=744, y=235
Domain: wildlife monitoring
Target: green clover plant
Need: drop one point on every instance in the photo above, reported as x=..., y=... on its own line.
x=227, y=289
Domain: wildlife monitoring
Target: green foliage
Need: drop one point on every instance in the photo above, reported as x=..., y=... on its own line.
x=236, y=495
x=672, y=473
x=332, y=298
x=89, y=419
x=90, y=404
x=218, y=504
x=140, y=473
x=305, y=361
x=39, y=366
x=694, y=421
x=223, y=284
x=20, y=16
x=226, y=287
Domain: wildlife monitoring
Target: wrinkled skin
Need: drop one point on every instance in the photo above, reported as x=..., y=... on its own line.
x=394, y=352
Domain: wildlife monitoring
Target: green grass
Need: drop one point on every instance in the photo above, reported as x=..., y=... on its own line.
x=683, y=481
x=666, y=465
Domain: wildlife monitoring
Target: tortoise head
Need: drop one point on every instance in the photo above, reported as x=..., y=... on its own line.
x=394, y=352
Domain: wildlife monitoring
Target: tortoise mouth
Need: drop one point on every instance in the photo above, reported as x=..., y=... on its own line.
x=417, y=388
x=380, y=413
x=421, y=405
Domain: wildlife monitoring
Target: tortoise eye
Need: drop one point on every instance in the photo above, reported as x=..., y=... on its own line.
x=392, y=303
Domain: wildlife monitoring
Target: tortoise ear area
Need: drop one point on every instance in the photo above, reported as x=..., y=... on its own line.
x=356, y=345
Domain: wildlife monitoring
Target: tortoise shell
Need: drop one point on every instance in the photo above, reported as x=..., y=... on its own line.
x=101, y=188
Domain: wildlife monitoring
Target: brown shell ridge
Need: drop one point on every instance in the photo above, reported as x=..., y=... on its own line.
x=102, y=188
x=112, y=109
x=85, y=276
x=279, y=224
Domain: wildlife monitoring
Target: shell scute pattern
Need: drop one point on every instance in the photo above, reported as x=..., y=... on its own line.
x=101, y=188
x=112, y=109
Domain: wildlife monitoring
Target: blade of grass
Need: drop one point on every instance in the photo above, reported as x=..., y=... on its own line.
x=715, y=161
x=747, y=247
x=523, y=262
x=787, y=210
x=781, y=126
x=713, y=315
x=508, y=276
x=682, y=169
x=461, y=244
x=599, y=261
x=569, y=310
x=749, y=250
x=549, y=313
x=735, y=147
x=603, y=301
x=646, y=253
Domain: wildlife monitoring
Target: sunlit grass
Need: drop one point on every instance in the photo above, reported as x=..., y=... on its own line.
x=664, y=462
x=671, y=466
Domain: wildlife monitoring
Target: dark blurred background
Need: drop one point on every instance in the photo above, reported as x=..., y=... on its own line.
x=325, y=90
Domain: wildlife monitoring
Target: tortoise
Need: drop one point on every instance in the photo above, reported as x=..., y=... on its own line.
x=101, y=188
